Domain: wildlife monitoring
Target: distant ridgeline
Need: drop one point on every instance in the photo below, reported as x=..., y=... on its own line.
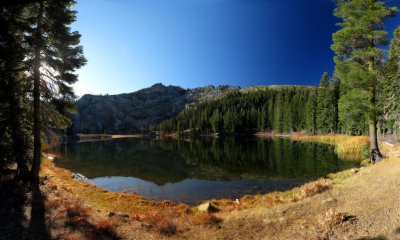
x=138, y=111
x=223, y=109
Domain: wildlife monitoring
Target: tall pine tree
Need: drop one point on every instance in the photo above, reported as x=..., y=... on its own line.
x=14, y=103
x=357, y=55
x=55, y=55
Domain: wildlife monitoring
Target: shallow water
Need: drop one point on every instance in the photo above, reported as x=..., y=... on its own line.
x=193, y=170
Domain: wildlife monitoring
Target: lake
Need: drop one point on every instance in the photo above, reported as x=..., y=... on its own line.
x=190, y=171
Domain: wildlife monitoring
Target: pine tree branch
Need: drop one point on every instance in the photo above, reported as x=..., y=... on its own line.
x=9, y=3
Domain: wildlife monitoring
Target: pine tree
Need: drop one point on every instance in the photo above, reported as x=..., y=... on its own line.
x=311, y=112
x=14, y=105
x=55, y=55
x=335, y=103
x=357, y=55
x=390, y=91
x=278, y=112
x=287, y=114
x=216, y=121
x=325, y=105
x=12, y=3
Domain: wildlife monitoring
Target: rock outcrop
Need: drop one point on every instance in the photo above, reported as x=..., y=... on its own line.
x=135, y=112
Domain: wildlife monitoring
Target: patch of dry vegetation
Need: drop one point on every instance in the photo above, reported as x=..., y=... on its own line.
x=70, y=218
x=350, y=148
x=312, y=188
x=332, y=219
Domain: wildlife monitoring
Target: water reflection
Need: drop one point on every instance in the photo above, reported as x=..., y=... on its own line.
x=198, y=169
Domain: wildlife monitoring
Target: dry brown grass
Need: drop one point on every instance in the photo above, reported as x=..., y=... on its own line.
x=54, y=202
x=77, y=214
x=159, y=222
x=104, y=224
x=312, y=188
x=350, y=148
x=70, y=236
x=332, y=219
x=208, y=219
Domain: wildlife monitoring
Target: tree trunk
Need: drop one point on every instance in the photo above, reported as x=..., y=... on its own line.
x=19, y=143
x=376, y=155
x=37, y=151
x=2, y=147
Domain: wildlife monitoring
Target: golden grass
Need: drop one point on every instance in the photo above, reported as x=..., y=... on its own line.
x=340, y=177
x=350, y=148
x=208, y=219
x=312, y=188
x=128, y=136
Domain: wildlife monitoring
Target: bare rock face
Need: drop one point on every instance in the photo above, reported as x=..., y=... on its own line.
x=135, y=112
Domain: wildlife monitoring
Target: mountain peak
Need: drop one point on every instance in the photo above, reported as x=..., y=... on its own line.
x=158, y=85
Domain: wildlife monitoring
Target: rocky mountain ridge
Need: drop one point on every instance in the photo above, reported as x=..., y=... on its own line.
x=134, y=112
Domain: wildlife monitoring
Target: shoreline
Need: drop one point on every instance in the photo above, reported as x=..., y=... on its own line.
x=79, y=137
x=154, y=216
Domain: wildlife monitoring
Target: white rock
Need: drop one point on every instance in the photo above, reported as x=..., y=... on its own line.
x=80, y=176
x=207, y=207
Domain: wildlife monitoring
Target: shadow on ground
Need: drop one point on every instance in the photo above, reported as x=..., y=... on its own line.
x=19, y=201
x=23, y=214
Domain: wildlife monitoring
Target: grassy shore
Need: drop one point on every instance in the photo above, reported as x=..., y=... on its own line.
x=80, y=210
x=350, y=148
x=148, y=219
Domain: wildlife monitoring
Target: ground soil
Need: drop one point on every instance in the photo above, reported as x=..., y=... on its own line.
x=363, y=205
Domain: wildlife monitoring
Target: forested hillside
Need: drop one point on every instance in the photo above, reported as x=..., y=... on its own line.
x=285, y=109
x=278, y=109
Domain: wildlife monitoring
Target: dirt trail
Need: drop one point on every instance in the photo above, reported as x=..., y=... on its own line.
x=365, y=206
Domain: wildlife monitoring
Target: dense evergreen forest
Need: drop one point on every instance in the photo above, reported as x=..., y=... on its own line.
x=278, y=109
x=287, y=109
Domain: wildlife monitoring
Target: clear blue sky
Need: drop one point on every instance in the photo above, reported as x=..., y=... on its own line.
x=132, y=44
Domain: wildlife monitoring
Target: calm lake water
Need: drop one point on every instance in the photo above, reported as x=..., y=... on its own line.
x=193, y=170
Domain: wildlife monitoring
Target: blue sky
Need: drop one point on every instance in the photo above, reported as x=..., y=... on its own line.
x=133, y=44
